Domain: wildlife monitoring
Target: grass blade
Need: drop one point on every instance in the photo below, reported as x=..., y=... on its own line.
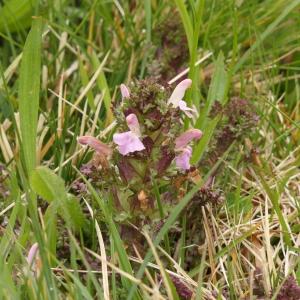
x=103, y=86
x=217, y=91
x=29, y=88
x=275, y=199
x=187, y=24
x=289, y=8
x=202, y=144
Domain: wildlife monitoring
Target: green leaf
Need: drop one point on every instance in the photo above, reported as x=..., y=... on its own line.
x=29, y=88
x=204, y=141
x=217, y=91
x=103, y=86
x=74, y=212
x=16, y=15
x=50, y=220
x=187, y=24
x=52, y=188
x=85, y=81
x=47, y=184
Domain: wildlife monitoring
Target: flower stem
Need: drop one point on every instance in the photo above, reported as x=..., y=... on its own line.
x=161, y=212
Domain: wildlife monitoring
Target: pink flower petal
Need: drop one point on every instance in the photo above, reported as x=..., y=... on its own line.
x=187, y=110
x=179, y=92
x=32, y=253
x=124, y=91
x=182, y=160
x=183, y=106
x=94, y=143
x=133, y=124
x=186, y=137
x=128, y=142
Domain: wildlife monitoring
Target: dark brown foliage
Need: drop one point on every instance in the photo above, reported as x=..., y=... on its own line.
x=290, y=290
x=171, y=53
x=258, y=287
x=126, y=170
x=165, y=160
x=238, y=121
x=205, y=195
x=182, y=289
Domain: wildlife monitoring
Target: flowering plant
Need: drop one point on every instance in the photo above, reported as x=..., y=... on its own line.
x=150, y=150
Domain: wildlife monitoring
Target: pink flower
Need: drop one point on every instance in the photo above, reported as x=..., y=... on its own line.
x=94, y=143
x=187, y=137
x=124, y=91
x=182, y=160
x=32, y=253
x=179, y=92
x=129, y=141
x=133, y=124
x=177, y=96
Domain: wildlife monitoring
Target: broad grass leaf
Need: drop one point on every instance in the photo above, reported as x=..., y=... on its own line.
x=47, y=184
x=15, y=15
x=29, y=89
x=74, y=212
x=52, y=188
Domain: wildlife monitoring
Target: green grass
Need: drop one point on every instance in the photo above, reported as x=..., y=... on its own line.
x=59, y=76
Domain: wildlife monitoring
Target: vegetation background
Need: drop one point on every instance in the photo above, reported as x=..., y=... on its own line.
x=61, y=64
